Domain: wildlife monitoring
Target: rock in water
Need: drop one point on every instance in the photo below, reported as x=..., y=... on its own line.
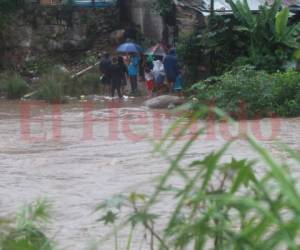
x=163, y=102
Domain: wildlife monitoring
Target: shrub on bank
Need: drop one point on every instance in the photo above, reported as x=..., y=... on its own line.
x=54, y=86
x=247, y=93
x=12, y=85
x=287, y=93
x=240, y=92
x=87, y=84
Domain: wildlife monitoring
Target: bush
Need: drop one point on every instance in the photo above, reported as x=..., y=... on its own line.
x=13, y=86
x=24, y=232
x=214, y=48
x=87, y=84
x=54, y=86
x=266, y=39
x=240, y=90
x=287, y=93
x=261, y=93
x=191, y=53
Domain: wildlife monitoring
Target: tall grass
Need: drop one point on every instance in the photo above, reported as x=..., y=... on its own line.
x=219, y=205
x=24, y=232
x=87, y=84
x=54, y=85
x=12, y=85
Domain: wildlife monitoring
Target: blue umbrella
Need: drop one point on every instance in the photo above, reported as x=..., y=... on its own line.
x=130, y=48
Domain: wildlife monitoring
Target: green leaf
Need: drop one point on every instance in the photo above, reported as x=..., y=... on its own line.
x=241, y=28
x=109, y=218
x=142, y=217
x=281, y=23
x=135, y=197
x=244, y=176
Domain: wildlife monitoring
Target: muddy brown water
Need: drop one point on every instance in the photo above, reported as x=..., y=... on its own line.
x=78, y=154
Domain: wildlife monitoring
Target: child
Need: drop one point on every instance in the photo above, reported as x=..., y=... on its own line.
x=159, y=74
x=149, y=81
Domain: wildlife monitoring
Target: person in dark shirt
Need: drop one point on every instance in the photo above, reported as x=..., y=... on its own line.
x=171, y=68
x=124, y=73
x=104, y=66
x=116, y=75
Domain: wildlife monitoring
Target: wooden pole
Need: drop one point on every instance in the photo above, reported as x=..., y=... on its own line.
x=212, y=8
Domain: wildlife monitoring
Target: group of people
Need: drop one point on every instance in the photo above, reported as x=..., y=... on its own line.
x=115, y=72
x=155, y=70
x=160, y=70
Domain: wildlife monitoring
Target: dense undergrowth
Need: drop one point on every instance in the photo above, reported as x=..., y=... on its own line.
x=252, y=59
x=245, y=92
x=53, y=85
x=268, y=40
x=13, y=85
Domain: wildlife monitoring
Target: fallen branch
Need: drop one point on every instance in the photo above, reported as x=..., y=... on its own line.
x=84, y=70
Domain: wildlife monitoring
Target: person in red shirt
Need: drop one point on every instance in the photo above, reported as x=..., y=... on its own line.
x=149, y=82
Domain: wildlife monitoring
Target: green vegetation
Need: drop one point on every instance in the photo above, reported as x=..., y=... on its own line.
x=287, y=93
x=265, y=39
x=12, y=85
x=272, y=40
x=25, y=231
x=7, y=6
x=88, y=84
x=252, y=59
x=54, y=84
x=166, y=9
x=38, y=66
x=248, y=93
x=219, y=203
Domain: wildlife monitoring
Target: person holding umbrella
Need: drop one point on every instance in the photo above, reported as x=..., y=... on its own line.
x=133, y=67
x=133, y=71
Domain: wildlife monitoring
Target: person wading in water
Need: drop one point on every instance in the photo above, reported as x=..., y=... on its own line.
x=105, y=64
x=133, y=73
x=116, y=76
x=124, y=73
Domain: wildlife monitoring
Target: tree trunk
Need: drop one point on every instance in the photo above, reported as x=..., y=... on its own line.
x=165, y=32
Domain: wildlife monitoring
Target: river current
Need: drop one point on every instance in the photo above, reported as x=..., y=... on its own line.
x=78, y=154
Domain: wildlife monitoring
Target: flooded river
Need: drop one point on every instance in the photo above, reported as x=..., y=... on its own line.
x=76, y=155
